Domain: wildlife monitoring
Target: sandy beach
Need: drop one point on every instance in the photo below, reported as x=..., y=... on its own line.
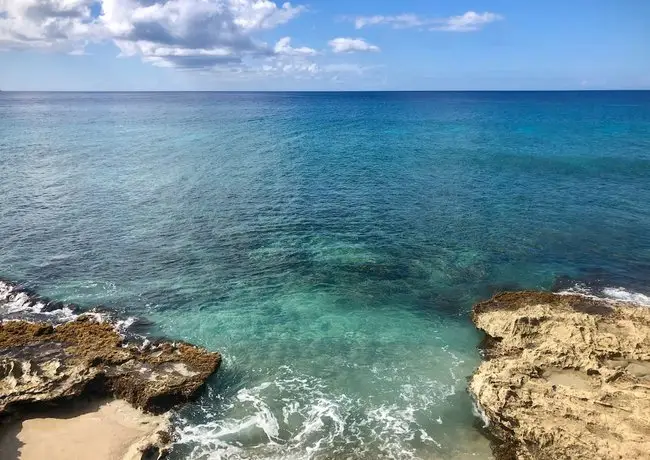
x=111, y=430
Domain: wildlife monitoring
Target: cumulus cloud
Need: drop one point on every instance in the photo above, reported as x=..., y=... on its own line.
x=289, y=61
x=262, y=14
x=283, y=47
x=351, y=45
x=46, y=24
x=193, y=34
x=222, y=37
x=468, y=22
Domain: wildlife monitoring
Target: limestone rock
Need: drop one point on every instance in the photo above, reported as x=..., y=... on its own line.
x=564, y=376
x=41, y=363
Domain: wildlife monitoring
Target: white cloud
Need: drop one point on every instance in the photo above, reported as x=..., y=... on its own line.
x=288, y=61
x=262, y=14
x=283, y=47
x=291, y=68
x=348, y=68
x=45, y=24
x=344, y=68
x=350, y=45
x=194, y=34
x=219, y=37
x=301, y=68
x=401, y=21
x=470, y=21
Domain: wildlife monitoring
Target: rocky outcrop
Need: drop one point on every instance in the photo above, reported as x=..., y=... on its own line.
x=42, y=363
x=52, y=354
x=564, y=376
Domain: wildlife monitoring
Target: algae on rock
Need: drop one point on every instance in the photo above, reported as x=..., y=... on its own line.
x=41, y=363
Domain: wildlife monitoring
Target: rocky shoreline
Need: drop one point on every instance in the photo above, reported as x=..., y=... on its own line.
x=45, y=366
x=564, y=376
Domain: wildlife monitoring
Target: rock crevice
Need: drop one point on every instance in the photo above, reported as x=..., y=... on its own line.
x=564, y=376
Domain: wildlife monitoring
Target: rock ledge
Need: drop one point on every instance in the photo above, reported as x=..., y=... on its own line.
x=43, y=365
x=564, y=376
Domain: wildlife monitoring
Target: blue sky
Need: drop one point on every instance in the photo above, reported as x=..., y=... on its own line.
x=324, y=45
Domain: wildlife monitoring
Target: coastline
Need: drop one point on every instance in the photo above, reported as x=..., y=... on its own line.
x=564, y=375
x=558, y=367
x=81, y=389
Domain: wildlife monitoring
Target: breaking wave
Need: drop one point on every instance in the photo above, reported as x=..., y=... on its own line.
x=618, y=294
x=295, y=416
x=20, y=303
x=626, y=296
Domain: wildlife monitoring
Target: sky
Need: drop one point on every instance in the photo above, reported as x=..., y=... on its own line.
x=161, y=45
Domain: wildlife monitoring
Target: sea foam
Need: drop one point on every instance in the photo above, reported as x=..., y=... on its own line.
x=618, y=294
x=298, y=416
x=623, y=295
x=19, y=303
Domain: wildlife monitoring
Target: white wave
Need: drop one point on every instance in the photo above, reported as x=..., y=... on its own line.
x=394, y=420
x=314, y=434
x=123, y=325
x=15, y=303
x=263, y=417
x=618, y=294
x=480, y=413
x=297, y=416
x=623, y=295
x=577, y=288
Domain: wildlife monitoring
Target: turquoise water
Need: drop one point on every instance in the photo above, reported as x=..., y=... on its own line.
x=329, y=245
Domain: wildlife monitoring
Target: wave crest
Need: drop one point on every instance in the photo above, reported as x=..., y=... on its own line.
x=618, y=294
x=20, y=303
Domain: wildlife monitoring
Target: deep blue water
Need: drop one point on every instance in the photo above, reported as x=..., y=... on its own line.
x=330, y=245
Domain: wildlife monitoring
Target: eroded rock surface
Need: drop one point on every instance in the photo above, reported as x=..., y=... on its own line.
x=54, y=357
x=564, y=376
x=42, y=363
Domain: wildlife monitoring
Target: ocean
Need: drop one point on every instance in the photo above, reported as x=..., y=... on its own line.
x=329, y=245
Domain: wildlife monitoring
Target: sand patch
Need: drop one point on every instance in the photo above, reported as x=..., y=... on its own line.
x=639, y=369
x=107, y=430
x=569, y=378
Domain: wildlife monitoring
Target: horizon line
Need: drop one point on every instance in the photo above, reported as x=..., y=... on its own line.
x=328, y=91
